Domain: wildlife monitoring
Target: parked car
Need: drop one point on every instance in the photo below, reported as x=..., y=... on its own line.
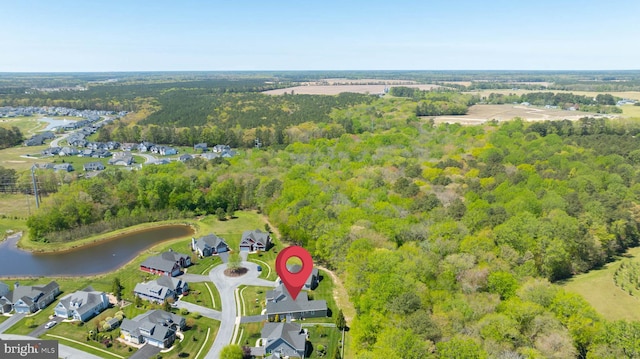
x=50, y=324
x=259, y=269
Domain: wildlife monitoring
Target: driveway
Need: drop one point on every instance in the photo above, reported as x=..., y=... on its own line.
x=229, y=315
x=147, y=351
x=194, y=308
x=194, y=278
x=10, y=322
x=41, y=329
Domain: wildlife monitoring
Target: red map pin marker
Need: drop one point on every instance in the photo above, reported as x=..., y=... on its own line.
x=294, y=281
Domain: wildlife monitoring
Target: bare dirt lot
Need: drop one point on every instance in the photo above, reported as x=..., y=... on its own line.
x=336, y=89
x=483, y=113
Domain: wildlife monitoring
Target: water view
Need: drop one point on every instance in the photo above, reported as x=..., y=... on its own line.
x=101, y=257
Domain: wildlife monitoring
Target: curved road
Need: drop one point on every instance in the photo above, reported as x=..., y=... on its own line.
x=227, y=287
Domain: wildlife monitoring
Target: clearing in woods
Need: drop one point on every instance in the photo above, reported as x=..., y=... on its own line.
x=599, y=289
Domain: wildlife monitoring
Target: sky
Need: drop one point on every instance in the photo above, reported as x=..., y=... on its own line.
x=243, y=35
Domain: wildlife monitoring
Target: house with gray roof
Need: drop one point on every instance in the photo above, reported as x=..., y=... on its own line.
x=209, y=245
x=4, y=289
x=168, y=263
x=65, y=167
x=200, y=147
x=161, y=289
x=311, y=282
x=185, y=157
x=280, y=303
x=256, y=240
x=82, y=305
x=155, y=327
x=93, y=166
x=29, y=298
x=126, y=160
x=282, y=340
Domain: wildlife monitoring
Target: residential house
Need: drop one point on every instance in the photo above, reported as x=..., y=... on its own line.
x=29, y=299
x=82, y=305
x=209, y=245
x=202, y=147
x=93, y=166
x=68, y=151
x=168, y=151
x=5, y=305
x=311, y=282
x=209, y=156
x=66, y=167
x=255, y=241
x=4, y=289
x=51, y=151
x=155, y=327
x=161, y=289
x=280, y=304
x=185, y=157
x=282, y=340
x=145, y=146
x=221, y=148
x=121, y=161
x=168, y=263
x=37, y=140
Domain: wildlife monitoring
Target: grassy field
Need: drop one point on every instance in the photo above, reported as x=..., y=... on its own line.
x=14, y=210
x=599, y=289
x=27, y=125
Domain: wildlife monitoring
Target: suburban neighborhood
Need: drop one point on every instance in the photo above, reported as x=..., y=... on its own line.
x=167, y=305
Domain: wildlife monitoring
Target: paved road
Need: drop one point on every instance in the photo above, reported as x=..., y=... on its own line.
x=147, y=157
x=64, y=351
x=229, y=315
x=194, y=308
x=10, y=322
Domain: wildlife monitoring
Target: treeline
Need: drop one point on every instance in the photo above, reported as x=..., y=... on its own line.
x=435, y=103
x=130, y=96
x=602, y=103
x=447, y=235
x=185, y=108
x=10, y=137
x=116, y=199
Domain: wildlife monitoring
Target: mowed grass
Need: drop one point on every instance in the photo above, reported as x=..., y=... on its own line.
x=200, y=294
x=599, y=289
x=631, y=111
x=27, y=125
x=13, y=157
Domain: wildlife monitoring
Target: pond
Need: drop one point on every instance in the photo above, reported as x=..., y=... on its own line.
x=53, y=124
x=97, y=258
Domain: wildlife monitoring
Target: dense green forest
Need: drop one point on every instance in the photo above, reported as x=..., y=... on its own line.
x=10, y=137
x=448, y=235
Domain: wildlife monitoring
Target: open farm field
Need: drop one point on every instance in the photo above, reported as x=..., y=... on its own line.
x=483, y=113
x=599, y=289
x=337, y=89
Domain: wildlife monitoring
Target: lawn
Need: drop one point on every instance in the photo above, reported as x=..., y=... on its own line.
x=599, y=289
x=267, y=260
x=327, y=337
x=27, y=125
x=12, y=157
x=231, y=230
x=631, y=111
x=200, y=294
x=249, y=333
x=253, y=298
